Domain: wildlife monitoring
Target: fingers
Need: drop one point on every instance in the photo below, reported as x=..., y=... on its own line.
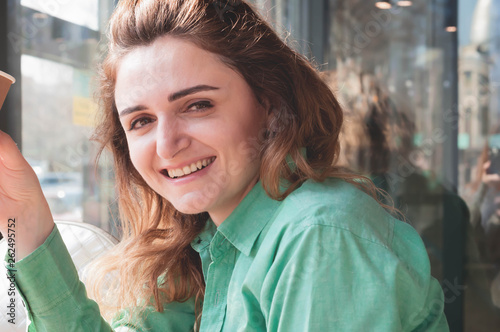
x=10, y=156
x=492, y=180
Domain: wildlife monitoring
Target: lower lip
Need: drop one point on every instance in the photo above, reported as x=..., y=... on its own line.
x=188, y=178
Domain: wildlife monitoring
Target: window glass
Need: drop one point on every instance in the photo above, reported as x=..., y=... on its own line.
x=479, y=49
x=422, y=108
x=81, y=12
x=58, y=69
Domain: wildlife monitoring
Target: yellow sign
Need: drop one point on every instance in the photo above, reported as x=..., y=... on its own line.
x=84, y=108
x=84, y=111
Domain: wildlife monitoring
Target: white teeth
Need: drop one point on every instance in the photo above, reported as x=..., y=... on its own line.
x=186, y=170
x=173, y=173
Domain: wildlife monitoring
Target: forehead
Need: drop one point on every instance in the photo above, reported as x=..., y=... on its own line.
x=168, y=63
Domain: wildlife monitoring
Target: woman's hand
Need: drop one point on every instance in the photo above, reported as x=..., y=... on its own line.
x=490, y=179
x=22, y=200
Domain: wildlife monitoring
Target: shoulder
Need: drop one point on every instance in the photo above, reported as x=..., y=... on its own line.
x=348, y=224
x=332, y=238
x=340, y=207
x=344, y=222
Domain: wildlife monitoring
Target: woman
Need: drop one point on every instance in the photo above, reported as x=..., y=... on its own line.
x=236, y=220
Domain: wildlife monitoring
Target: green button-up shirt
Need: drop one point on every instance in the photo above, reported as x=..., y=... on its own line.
x=327, y=258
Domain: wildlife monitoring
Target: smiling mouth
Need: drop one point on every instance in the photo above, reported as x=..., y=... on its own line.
x=186, y=170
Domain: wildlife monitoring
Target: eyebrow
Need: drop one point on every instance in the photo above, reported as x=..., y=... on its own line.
x=173, y=97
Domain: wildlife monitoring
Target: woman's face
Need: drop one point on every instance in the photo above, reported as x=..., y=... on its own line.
x=193, y=126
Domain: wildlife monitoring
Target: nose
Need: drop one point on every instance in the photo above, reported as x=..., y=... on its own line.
x=171, y=138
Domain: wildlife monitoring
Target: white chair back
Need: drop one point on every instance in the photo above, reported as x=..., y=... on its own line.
x=85, y=243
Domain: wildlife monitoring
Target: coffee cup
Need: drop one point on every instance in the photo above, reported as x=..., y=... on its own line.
x=5, y=82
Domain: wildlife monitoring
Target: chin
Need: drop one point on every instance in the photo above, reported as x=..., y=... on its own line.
x=192, y=205
x=189, y=210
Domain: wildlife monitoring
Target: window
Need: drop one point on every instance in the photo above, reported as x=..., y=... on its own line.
x=56, y=48
x=397, y=72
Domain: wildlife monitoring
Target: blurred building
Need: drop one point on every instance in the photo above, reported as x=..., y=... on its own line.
x=477, y=88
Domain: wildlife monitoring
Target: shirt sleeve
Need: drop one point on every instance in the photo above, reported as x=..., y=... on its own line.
x=325, y=278
x=56, y=300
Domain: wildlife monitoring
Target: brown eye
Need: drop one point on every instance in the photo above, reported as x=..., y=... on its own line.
x=199, y=106
x=140, y=122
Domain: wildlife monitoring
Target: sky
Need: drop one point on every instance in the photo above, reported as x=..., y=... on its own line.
x=465, y=14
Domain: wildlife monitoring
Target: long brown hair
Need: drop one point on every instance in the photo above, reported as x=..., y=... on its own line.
x=303, y=113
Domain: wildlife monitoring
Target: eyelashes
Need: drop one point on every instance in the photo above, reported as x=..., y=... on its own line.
x=143, y=121
x=197, y=107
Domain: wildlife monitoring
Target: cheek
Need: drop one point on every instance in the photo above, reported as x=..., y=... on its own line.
x=245, y=151
x=139, y=156
x=254, y=137
x=134, y=158
x=256, y=119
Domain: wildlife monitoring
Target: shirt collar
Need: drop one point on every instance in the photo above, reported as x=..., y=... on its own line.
x=244, y=224
x=203, y=239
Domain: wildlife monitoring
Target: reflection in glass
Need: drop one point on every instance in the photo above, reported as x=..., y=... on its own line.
x=52, y=142
x=58, y=109
x=81, y=12
x=392, y=71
